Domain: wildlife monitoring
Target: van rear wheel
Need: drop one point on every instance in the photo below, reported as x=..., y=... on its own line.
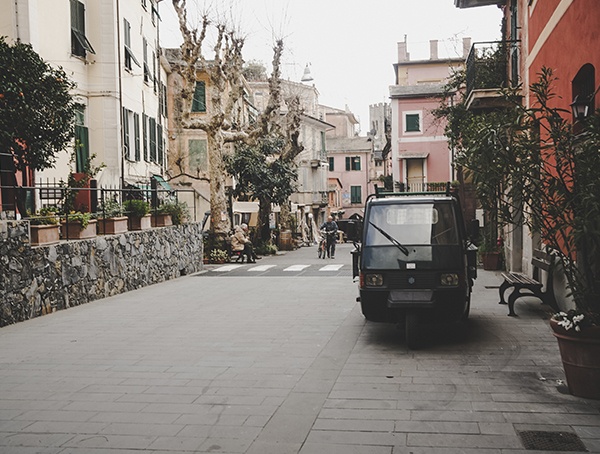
x=412, y=330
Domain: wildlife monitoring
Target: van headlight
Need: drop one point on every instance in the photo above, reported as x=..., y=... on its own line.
x=449, y=279
x=373, y=280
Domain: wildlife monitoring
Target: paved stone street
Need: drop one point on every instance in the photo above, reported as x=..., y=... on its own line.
x=281, y=362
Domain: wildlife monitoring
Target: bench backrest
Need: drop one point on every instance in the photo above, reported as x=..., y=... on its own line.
x=541, y=260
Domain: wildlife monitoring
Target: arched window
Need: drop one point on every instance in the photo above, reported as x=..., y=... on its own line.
x=583, y=86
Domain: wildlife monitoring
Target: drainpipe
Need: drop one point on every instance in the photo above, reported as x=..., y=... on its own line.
x=120, y=114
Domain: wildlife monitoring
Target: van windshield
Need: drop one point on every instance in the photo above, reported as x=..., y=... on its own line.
x=412, y=224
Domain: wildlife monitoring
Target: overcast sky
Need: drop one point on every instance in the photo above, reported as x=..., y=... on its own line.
x=351, y=45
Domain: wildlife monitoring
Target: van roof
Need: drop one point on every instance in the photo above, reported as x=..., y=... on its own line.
x=394, y=200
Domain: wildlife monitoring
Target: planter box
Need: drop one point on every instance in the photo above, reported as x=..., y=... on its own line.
x=44, y=234
x=112, y=226
x=161, y=220
x=143, y=223
x=490, y=260
x=73, y=230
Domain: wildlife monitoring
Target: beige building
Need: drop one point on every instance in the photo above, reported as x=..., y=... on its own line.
x=110, y=49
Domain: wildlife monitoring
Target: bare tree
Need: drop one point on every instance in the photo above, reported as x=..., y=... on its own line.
x=224, y=122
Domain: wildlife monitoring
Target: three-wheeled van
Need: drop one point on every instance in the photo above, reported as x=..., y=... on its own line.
x=415, y=262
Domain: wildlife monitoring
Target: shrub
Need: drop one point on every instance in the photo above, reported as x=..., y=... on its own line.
x=136, y=208
x=178, y=210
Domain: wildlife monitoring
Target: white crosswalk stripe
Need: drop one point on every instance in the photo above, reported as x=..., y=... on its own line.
x=331, y=267
x=225, y=268
x=261, y=267
x=296, y=267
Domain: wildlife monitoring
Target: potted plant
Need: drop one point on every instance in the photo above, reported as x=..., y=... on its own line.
x=44, y=227
x=78, y=226
x=218, y=256
x=111, y=220
x=490, y=253
x=178, y=211
x=161, y=217
x=138, y=213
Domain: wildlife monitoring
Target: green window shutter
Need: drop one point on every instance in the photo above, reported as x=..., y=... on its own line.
x=356, y=163
x=159, y=139
x=82, y=148
x=348, y=163
x=331, y=167
x=145, y=136
x=355, y=194
x=79, y=42
x=412, y=123
x=199, y=101
x=152, y=127
x=126, y=144
x=197, y=150
x=136, y=133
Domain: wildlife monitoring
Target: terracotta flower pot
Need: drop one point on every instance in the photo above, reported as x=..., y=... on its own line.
x=137, y=223
x=112, y=226
x=490, y=260
x=580, y=352
x=161, y=220
x=44, y=234
x=73, y=230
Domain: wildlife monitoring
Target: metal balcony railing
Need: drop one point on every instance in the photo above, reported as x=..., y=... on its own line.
x=492, y=65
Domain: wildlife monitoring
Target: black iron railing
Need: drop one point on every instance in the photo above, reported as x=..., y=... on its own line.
x=488, y=65
x=53, y=202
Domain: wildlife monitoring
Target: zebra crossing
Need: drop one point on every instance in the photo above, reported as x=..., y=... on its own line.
x=235, y=269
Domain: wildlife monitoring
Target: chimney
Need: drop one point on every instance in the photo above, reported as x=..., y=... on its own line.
x=433, y=49
x=466, y=47
x=403, y=55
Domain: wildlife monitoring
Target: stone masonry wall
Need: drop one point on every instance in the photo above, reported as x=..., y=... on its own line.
x=39, y=280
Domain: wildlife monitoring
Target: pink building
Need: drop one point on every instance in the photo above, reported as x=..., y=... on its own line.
x=420, y=152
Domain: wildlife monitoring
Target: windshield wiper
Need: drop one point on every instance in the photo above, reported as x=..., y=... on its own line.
x=393, y=240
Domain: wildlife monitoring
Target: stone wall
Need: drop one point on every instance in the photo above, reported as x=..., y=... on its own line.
x=38, y=280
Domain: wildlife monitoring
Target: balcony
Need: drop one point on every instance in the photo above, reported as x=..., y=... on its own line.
x=491, y=67
x=320, y=199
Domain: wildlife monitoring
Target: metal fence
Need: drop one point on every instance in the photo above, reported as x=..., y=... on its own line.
x=32, y=202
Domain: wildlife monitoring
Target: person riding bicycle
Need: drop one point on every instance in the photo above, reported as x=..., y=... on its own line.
x=331, y=229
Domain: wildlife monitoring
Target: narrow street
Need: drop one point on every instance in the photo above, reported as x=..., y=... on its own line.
x=280, y=362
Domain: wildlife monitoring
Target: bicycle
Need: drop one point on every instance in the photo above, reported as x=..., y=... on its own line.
x=322, y=249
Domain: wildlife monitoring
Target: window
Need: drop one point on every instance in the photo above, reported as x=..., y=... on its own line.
x=145, y=136
x=82, y=145
x=331, y=166
x=126, y=140
x=198, y=155
x=412, y=122
x=353, y=163
x=159, y=143
x=199, y=101
x=152, y=127
x=136, y=134
x=147, y=76
x=129, y=57
x=355, y=194
x=79, y=43
x=323, y=146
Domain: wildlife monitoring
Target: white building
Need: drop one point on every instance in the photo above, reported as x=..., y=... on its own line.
x=110, y=49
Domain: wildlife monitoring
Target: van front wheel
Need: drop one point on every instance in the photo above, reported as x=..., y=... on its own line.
x=412, y=330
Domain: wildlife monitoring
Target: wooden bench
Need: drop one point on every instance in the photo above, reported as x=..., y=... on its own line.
x=524, y=285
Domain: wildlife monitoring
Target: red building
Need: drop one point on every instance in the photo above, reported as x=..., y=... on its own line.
x=562, y=35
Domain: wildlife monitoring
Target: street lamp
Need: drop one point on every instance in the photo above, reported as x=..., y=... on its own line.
x=580, y=108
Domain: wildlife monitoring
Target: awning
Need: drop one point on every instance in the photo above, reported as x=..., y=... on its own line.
x=245, y=207
x=413, y=155
x=161, y=181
